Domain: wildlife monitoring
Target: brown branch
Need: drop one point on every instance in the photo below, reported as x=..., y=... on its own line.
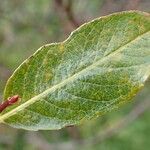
x=132, y=4
x=70, y=15
x=107, y=7
x=67, y=9
x=35, y=139
x=4, y=72
x=74, y=133
x=119, y=125
x=10, y=101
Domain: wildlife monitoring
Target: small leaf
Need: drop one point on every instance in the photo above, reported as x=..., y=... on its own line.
x=102, y=64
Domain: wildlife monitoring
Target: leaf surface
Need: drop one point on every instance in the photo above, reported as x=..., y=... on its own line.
x=102, y=64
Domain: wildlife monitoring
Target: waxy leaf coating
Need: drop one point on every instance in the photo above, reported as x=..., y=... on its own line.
x=102, y=64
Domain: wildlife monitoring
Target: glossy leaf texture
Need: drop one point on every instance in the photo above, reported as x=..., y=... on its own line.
x=103, y=64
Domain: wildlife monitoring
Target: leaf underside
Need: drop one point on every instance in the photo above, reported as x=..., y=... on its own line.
x=102, y=64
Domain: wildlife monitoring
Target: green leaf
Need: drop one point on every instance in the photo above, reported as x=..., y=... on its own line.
x=102, y=64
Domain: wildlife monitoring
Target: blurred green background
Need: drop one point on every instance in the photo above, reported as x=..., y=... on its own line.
x=25, y=25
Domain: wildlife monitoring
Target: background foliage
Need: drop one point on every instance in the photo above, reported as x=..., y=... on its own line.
x=25, y=25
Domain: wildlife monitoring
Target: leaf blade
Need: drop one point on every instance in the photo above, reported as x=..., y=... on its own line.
x=61, y=70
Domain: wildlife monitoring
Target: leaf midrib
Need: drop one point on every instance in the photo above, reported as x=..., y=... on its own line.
x=64, y=82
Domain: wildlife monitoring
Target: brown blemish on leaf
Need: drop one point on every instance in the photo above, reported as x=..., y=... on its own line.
x=61, y=48
x=48, y=76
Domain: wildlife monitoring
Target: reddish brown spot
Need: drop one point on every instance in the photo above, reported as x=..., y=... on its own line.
x=10, y=101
